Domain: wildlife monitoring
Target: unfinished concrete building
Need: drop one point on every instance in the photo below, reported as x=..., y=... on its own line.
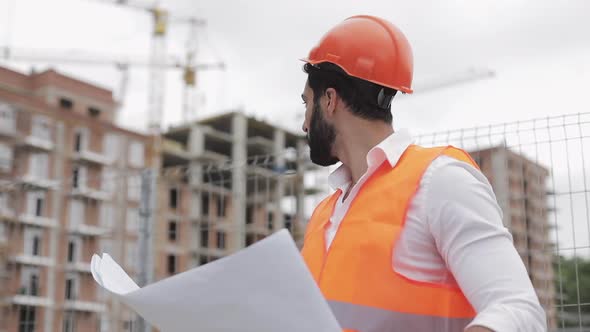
x=227, y=182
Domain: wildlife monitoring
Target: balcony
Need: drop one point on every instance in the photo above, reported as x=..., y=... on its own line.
x=38, y=182
x=211, y=252
x=8, y=128
x=87, y=230
x=94, y=194
x=38, y=221
x=7, y=214
x=85, y=306
x=31, y=301
x=92, y=157
x=38, y=143
x=29, y=259
x=78, y=267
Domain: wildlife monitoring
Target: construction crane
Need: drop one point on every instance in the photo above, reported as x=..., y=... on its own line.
x=157, y=81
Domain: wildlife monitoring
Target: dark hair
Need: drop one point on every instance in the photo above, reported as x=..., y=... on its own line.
x=365, y=99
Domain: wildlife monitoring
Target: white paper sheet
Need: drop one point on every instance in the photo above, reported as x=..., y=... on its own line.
x=263, y=288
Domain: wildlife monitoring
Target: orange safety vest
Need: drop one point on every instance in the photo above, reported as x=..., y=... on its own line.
x=355, y=274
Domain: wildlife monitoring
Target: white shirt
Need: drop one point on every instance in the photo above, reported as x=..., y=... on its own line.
x=454, y=235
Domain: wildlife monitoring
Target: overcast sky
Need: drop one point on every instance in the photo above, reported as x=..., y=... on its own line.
x=538, y=49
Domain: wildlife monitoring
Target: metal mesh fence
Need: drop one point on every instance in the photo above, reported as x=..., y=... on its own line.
x=539, y=170
x=204, y=209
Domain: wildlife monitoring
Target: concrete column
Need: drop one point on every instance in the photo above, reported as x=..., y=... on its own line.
x=57, y=206
x=239, y=155
x=278, y=151
x=196, y=146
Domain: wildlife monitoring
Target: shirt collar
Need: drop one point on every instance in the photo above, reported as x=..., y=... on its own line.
x=390, y=149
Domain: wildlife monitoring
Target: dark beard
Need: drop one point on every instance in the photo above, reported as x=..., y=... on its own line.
x=320, y=137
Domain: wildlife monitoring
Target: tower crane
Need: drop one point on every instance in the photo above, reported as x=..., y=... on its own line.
x=157, y=82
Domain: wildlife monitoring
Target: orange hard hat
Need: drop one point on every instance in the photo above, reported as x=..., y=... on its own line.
x=369, y=48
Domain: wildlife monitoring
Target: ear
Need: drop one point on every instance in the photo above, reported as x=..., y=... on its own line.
x=331, y=100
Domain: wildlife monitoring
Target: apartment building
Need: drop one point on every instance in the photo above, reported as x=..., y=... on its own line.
x=68, y=189
x=520, y=187
x=227, y=182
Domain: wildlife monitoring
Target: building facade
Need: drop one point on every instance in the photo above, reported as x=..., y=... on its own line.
x=521, y=191
x=67, y=190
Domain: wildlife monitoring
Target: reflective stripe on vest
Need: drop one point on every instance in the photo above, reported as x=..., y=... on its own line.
x=367, y=319
x=355, y=273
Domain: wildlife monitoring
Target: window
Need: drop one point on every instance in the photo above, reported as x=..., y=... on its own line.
x=220, y=206
x=205, y=204
x=129, y=325
x=68, y=323
x=203, y=260
x=220, y=240
x=270, y=220
x=288, y=222
x=132, y=224
x=71, y=251
x=6, y=156
x=34, y=285
x=106, y=246
x=3, y=232
x=41, y=127
x=171, y=264
x=133, y=188
x=76, y=212
x=136, y=154
x=39, y=206
x=7, y=119
x=32, y=243
x=36, y=245
x=109, y=179
x=66, y=103
x=26, y=320
x=106, y=215
x=75, y=177
x=249, y=239
x=93, y=112
x=78, y=177
x=80, y=139
x=205, y=237
x=249, y=214
x=39, y=165
x=35, y=203
x=132, y=255
x=70, y=288
x=3, y=201
x=30, y=281
x=111, y=146
x=173, y=198
x=172, y=232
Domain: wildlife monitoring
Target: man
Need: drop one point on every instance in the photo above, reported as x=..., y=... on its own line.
x=412, y=239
